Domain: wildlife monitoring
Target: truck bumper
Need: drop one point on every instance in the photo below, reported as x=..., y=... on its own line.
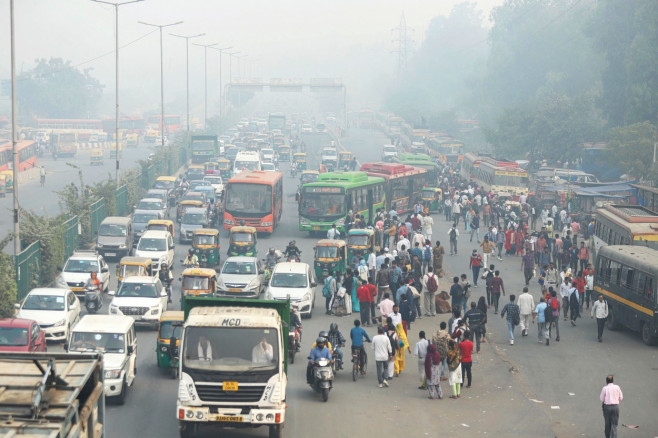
x=231, y=417
x=113, y=387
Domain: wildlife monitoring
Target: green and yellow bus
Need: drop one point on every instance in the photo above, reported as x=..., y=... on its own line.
x=328, y=200
x=626, y=276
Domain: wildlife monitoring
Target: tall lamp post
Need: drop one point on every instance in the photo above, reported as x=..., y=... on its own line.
x=205, y=80
x=221, y=102
x=187, y=70
x=162, y=111
x=230, y=65
x=14, y=132
x=116, y=73
x=240, y=58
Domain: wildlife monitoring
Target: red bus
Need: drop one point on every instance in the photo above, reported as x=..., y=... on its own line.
x=254, y=198
x=403, y=183
x=70, y=124
x=172, y=123
x=27, y=155
x=131, y=125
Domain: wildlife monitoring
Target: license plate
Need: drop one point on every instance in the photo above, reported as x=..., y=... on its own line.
x=110, y=254
x=232, y=289
x=316, y=228
x=77, y=289
x=230, y=386
x=230, y=418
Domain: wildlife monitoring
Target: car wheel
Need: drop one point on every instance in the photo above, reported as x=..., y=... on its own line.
x=121, y=398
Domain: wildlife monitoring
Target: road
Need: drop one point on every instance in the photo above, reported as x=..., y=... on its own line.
x=524, y=390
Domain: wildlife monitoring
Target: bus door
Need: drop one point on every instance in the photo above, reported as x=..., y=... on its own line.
x=412, y=197
x=350, y=204
x=371, y=214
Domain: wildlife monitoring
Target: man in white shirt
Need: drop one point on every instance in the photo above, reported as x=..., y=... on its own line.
x=600, y=310
x=428, y=223
x=564, y=294
x=372, y=265
x=383, y=352
x=403, y=242
x=396, y=316
x=204, y=349
x=333, y=233
x=420, y=351
x=526, y=305
x=262, y=353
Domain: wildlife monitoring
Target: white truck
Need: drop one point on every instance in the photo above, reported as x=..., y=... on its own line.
x=389, y=151
x=330, y=156
x=52, y=395
x=233, y=363
x=246, y=160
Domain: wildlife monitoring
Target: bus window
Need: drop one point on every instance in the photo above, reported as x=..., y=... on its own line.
x=614, y=272
x=645, y=285
x=626, y=278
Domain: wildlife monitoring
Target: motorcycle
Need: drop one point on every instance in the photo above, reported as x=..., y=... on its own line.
x=167, y=285
x=292, y=344
x=293, y=172
x=338, y=363
x=323, y=377
x=173, y=357
x=293, y=256
x=93, y=299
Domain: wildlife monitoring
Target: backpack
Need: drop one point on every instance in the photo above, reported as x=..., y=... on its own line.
x=432, y=284
x=453, y=234
x=428, y=253
x=466, y=291
x=548, y=314
x=363, y=273
x=326, y=288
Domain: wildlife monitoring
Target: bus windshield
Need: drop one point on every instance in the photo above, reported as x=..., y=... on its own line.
x=322, y=204
x=505, y=179
x=249, y=198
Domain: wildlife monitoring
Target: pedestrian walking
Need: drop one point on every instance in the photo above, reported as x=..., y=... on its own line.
x=488, y=276
x=430, y=288
x=401, y=352
x=511, y=310
x=488, y=250
x=497, y=286
x=437, y=258
x=432, y=366
x=554, y=303
x=383, y=354
x=329, y=290
x=600, y=311
x=527, y=266
x=440, y=341
x=466, y=348
x=475, y=319
x=475, y=264
x=427, y=255
x=455, y=379
x=610, y=397
x=475, y=227
x=383, y=279
x=457, y=294
x=526, y=306
x=565, y=286
x=540, y=315
x=574, y=304
x=363, y=294
x=420, y=351
x=583, y=256
x=453, y=233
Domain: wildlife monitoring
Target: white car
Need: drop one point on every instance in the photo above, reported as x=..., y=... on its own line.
x=154, y=204
x=330, y=155
x=78, y=268
x=307, y=129
x=142, y=298
x=55, y=310
x=389, y=151
x=241, y=277
x=296, y=280
x=268, y=167
x=267, y=155
x=158, y=246
x=216, y=182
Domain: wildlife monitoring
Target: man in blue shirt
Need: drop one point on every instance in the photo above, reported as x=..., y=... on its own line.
x=542, y=326
x=317, y=353
x=357, y=334
x=402, y=290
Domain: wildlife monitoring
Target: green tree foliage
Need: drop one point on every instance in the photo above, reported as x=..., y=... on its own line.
x=632, y=147
x=50, y=233
x=54, y=88
x=8, y=289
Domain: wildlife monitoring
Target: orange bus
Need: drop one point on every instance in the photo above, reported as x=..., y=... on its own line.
x=255, y=199
x=27, y=155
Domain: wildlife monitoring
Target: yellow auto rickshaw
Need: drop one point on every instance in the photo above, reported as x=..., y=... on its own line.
x=330, y=256
x=344, y=159
x=360, y=242
x=96, y=157
x=171, y=326
x=130, y=266
x=309, y=176
x=242, y=241
x=9, y=180
x=113, y=150
x=300, y=159
x=432, y=199
x=284, y=153
x=224, y=167
x=195, y=171
x=206, y=242
x=200, y=282
x=184, y=205
x=162, y=225
x=211, y=168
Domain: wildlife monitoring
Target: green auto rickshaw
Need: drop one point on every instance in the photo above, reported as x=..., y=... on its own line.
x=224, y=168
x=171, y=324
x=361, y=241
x=206, y=242
x=284, y=153
x=330, y=255
x=300, y=159
x=242, y=241
x=432, y=199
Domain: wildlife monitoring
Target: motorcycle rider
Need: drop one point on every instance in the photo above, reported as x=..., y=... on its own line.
x=191, y=259
x=336, y=339
x=271, y=258
x=291, y=251
x=93, y=283
x=317, y=353
x=166, y=278
x=296, y=324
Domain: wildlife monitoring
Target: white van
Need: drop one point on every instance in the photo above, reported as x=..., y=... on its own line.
x=114, y=336
x=246, y=160
x=158, y=246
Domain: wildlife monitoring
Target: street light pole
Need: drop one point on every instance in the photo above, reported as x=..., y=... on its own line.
x=240, y=58
x=116, y=73
x=205, y=80
x=221, y=102
x=162, y=111
x=187, y=70
x=14, y=132
x=230, y=65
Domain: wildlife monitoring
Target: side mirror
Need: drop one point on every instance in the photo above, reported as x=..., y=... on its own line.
x=131, y=349
x=66, y=346
x=105, y=270
x=17, y=305
x=59, y=268
x=112, y=293
x=180, y=279
x=313, y=284
x=261, y=271
x=163, y=293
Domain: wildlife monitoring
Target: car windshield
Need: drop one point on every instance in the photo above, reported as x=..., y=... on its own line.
x=249, y=198
x=194, y=197
x=358, y=240
x=165, y=185
x=244, y=268
x=286, y=279
x=132, y=271
x=79, y=266
x=13, y=336
x=150, y=205
x=316, y=205
x=230, y=348
x=326, y=252
x=152, y=244
x=193, y=219
x=169, y=328
x=107, y=342
x=44, y=302
x=309, y=178
x=268, y=166
x=242, y=237
x=144, y=218
x=199, y=183
x=205, y=239
x=214, y=179
x=158, y=195
x=112, y=230
x=134, y=290
x=196, y=283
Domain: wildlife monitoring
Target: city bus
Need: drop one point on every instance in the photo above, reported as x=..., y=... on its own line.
x=423, y=161
x=502, y=178
x=447, y=150
x=64, y=144
x=276, y=121
x=254, y=199
x=172, y=123
x=624, y=225
x=470, y=166
x=366, y=119
x=328, y=200
x=84, y=129
x=403, y=184
x=626, y=277
x=27, y=155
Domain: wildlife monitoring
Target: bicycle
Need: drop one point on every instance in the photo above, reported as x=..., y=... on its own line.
x=359, y=362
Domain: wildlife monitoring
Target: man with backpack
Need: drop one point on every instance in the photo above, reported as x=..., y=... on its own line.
x=544, y=315
x=488, y=276
x=430, y=288
x=453, y=233
x=408, y=312
x=329, y=290
x=457, y=294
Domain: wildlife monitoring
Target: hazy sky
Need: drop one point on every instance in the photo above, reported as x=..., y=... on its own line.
x=284, y=38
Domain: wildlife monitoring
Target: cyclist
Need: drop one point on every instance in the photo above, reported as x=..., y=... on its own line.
x=357, y=334
x=336, y=339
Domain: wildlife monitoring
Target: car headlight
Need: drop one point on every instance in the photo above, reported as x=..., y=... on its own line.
x=59, y=323
x=307, y=296
x=99, y=245
x=252, y=284
x=114, y=310
x=220, y=283
x=228, y=222
x=303, y=221
x=155, y=310
x=112, y=374
x=60, y=282
x=122, y=246
x=266, y=224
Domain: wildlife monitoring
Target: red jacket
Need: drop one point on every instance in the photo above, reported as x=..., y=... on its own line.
x=580, y=284
x=363, y=293
x=373, y=292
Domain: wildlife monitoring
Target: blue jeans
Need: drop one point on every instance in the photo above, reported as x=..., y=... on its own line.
x=444, y=366
x=382, y=370
x=476, y=274
x=510, y=327
x=477, y=233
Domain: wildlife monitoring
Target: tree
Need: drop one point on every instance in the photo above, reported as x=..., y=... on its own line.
x=49, y=232
x=631, y=148
x=56, y=89
x=8, y=288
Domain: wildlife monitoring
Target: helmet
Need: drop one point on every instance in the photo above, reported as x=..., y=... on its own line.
x=190, y=251
x=333, y=327
x=163, y=265
x=292, y=243
x=272, y=250
x=323, y=334
x=320, y=340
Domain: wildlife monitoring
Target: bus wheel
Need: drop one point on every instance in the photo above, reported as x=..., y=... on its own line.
x=611, y=322
x=647, y=334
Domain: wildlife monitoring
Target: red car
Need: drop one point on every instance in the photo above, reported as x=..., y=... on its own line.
x=18, y=334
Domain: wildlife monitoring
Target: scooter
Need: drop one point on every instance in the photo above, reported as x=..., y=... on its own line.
x=323, y=377
x=292, y=344
x=93, y=299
